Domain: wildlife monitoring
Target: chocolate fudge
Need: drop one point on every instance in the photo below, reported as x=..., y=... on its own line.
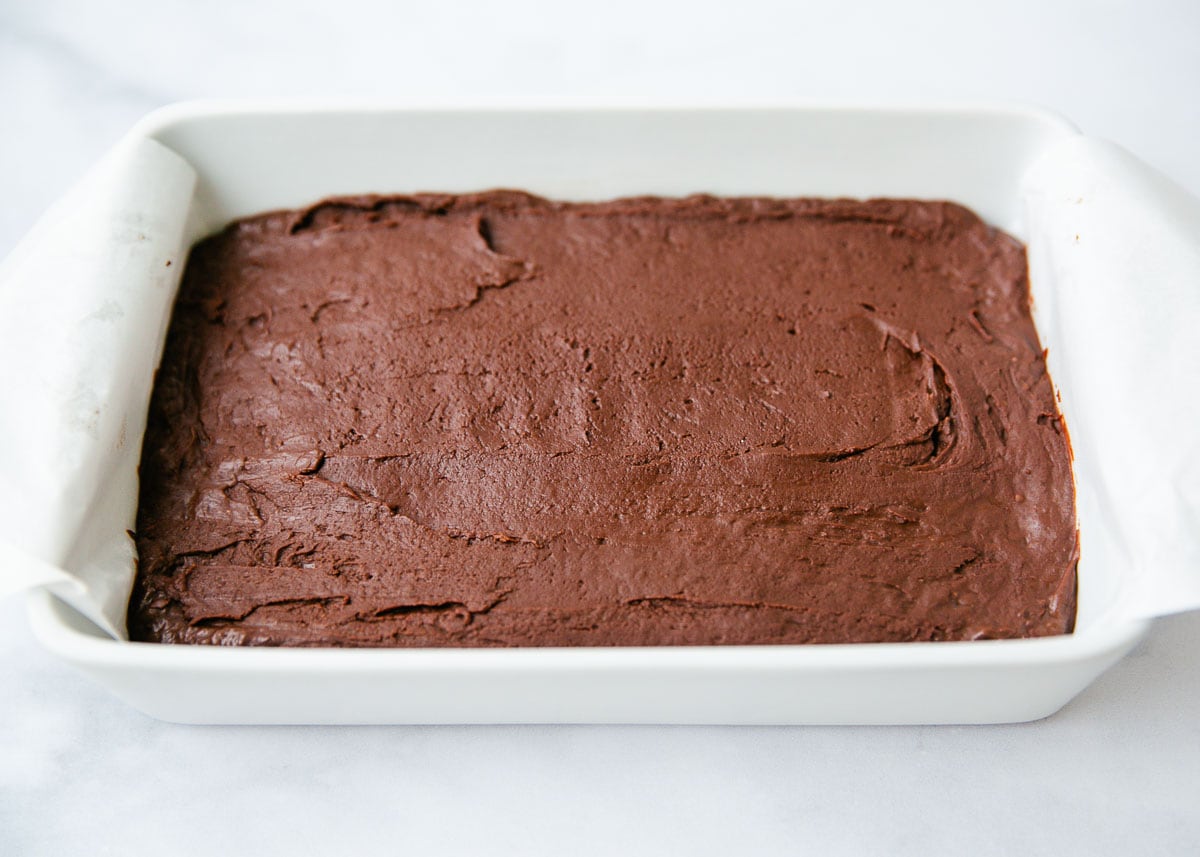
x=497, y=420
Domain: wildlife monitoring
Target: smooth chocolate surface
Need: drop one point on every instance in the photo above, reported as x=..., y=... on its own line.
x=496, y=420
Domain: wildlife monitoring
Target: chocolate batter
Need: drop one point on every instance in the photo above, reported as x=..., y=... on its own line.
x=496, y=420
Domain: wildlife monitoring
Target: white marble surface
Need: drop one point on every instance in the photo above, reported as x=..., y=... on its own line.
x=1117, y=772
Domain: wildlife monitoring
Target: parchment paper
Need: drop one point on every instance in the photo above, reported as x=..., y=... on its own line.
x=85, y=299
x=84, y=303
x=1117, y=247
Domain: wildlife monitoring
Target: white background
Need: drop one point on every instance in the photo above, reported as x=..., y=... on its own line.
x=1117, y=772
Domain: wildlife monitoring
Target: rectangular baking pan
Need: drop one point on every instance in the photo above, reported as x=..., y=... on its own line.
x=256, y=158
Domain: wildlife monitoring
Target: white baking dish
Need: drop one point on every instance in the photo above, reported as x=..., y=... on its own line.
x=255, y=159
